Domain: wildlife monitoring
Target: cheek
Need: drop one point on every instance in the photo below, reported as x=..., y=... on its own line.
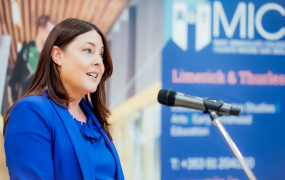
x=78, y=62
x=74, y=69
x=102, y=69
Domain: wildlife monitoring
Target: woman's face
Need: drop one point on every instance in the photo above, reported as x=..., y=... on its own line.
x=82, y=64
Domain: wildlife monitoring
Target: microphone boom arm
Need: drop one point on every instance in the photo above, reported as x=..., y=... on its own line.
x=216, y=121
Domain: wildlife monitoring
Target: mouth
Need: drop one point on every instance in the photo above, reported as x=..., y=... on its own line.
x=92, y=74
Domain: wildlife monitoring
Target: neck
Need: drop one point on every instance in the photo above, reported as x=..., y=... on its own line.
x=74, y=107
x=75, y=97
x=39, y=44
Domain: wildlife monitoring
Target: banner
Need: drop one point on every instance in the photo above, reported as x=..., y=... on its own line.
x=5, y=41
x=232, y=51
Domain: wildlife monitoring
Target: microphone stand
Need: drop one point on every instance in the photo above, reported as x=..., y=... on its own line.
x=216, y=121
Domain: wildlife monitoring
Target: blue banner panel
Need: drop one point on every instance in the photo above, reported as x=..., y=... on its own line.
x=233, y=51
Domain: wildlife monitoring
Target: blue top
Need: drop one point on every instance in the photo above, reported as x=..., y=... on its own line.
x=42, y=141
x=100, y=154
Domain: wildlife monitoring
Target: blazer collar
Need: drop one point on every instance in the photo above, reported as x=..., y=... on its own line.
x=78, y=143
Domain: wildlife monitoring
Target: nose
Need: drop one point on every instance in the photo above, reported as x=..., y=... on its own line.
x=98, y=60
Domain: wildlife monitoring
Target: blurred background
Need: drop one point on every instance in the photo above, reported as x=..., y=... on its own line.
x=229, y=50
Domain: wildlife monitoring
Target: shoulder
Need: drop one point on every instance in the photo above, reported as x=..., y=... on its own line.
x=41, y=102
x=32, y=114
x=31, y=108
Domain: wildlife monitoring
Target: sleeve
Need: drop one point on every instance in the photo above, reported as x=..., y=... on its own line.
x=28, y=143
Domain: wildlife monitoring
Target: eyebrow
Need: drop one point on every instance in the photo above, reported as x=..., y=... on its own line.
x=90, y=43
x=93, y=44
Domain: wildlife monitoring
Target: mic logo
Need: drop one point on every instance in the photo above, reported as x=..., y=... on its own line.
x=210, y=19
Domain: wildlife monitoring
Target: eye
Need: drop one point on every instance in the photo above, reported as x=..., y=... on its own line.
x=87, y=50
x=101, y=55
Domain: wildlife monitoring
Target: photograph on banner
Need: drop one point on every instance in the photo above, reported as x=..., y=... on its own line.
x=231, y=51
x=24, y=29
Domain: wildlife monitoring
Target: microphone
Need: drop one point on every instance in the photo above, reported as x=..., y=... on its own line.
x=169, y=97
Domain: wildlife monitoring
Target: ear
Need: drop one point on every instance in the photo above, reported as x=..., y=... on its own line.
x=57, y=55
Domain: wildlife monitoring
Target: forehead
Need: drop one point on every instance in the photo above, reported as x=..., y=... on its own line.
x=90, y=36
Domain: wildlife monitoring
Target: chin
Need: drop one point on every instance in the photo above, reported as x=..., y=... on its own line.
x=92, y=89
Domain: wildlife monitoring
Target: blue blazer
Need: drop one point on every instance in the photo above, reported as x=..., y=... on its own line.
x=42, y=141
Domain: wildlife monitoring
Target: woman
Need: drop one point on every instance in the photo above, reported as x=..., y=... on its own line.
x=53, y=132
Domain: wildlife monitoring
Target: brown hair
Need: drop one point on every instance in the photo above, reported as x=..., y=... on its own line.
x=43, y=20
x=47, y=75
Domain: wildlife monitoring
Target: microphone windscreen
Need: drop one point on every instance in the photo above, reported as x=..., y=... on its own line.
x=162, y=96
x=166, y=97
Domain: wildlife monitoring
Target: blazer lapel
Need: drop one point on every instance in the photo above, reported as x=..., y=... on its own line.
x=79, y=145
x=119, y=171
